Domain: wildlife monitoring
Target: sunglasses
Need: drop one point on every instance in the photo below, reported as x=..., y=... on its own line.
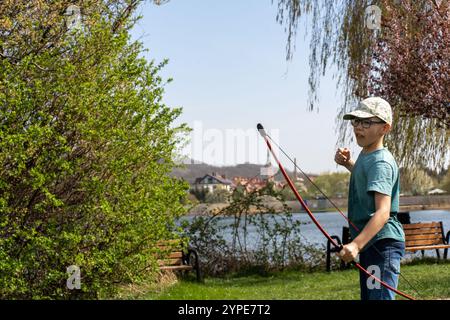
x=366, y=123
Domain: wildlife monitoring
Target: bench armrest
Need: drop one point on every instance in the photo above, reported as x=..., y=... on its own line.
x=447, y=238
x=187, y=259
x=190, y=252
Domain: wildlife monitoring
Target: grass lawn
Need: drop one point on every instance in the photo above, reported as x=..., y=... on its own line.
x=431, y=279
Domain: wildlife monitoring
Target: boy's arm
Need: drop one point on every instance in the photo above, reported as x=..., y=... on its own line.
x=349, y=165
x=375, y=224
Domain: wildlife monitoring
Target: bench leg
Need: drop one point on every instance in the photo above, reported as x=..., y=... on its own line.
x=447, y=240
x=437, y=254
x=330, y=250
x=328, y=258
x=198, y=274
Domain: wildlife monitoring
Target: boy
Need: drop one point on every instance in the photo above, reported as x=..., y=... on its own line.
x=373, y=200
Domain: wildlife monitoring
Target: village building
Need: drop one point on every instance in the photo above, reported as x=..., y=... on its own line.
x=249, y=184
x=213, y=182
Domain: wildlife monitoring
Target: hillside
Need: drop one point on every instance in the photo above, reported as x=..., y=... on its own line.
x=192, y=171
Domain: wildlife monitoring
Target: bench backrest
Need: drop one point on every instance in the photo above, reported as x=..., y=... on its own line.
x=170, y=253
x=423, y=234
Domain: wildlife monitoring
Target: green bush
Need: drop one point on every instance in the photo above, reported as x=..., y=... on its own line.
x=249, y=235
x=86, y=148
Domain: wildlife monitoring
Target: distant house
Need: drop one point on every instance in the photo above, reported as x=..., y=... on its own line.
x=255, y=184
x=249, y=184
x=213, y=182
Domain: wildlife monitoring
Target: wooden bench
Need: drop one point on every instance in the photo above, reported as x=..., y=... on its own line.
x=173, y=256
x=426, y=236
x=418, y=237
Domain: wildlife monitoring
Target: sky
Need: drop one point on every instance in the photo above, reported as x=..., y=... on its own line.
x=228, y=63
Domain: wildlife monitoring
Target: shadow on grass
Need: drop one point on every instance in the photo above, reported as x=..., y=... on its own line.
x=263, y=271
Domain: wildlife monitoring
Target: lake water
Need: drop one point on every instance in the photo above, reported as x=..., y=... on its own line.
x=333, y=222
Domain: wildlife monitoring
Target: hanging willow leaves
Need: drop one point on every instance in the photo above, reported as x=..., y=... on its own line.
x=406, y=61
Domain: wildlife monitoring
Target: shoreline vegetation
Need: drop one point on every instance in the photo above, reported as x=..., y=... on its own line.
x=434, y=202
x=209, y=208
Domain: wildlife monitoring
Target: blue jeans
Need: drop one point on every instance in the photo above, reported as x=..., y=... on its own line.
x=385, y=265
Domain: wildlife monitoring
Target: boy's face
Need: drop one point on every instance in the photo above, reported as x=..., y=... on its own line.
x=369, y=130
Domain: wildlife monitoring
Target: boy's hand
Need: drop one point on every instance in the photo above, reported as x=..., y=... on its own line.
x=349, y=252
x=342, y=156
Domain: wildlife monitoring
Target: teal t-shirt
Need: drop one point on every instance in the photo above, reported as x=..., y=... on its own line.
x=374, y=171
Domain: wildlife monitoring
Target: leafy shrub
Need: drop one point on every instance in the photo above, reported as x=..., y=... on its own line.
x=86, y=148
x=225, y=243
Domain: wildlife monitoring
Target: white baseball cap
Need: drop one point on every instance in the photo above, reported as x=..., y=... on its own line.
x=372, y=107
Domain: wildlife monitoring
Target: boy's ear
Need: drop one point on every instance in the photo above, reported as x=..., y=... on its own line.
x=386, y=128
